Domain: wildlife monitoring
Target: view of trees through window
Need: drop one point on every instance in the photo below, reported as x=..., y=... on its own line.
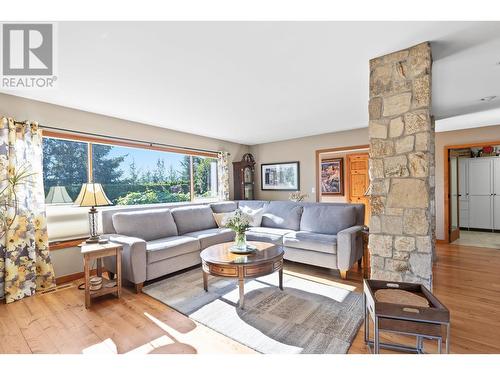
x=129, y=175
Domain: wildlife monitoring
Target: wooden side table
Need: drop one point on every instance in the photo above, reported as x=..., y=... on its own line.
x=423, y=322
x=366, y=253
x=97, y=252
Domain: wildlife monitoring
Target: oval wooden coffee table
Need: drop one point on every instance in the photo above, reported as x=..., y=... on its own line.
x=218, y=260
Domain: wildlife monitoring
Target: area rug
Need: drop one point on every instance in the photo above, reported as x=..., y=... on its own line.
x=307, y=317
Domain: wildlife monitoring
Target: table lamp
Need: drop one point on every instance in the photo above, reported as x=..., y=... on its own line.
x=92, y=195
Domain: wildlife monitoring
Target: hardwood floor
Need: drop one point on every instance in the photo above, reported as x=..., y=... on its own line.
x=467, y=281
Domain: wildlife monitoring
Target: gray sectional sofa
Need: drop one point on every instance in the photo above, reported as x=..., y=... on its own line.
x=159, y=240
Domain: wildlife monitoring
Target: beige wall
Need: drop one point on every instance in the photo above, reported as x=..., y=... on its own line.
x=302, y=150
x=332, y=155
x=73, y=119
x=69, y=261
x=456, y=137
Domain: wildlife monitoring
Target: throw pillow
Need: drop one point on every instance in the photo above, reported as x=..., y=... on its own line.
x=221, y=217
x=256, y=215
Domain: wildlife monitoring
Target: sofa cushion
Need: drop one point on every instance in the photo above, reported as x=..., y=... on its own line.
x=209, y=237
x=282, y=214
x=327, y=219
x=221, y=218
x=325, y=243
x=165, y=248
x=254, y=214
x=254, y=205
x=264, y=234
x=220, y=207
x=193, y=218
x=147, y=224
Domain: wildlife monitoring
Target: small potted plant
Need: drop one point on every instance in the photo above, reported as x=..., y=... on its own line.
x=297, y=196
x=239, y=223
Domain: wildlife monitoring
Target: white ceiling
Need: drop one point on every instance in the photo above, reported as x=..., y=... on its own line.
x=257, y=82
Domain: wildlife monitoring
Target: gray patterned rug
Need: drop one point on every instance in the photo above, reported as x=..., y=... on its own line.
x=307, y=317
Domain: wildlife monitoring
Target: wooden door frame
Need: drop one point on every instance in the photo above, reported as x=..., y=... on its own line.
x=328, y=150
x=446, y=182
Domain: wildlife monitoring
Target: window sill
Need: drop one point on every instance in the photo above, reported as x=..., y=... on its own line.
x=58, y=245
x=68, y=224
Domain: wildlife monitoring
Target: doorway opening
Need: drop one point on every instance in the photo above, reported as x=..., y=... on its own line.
x=342, y=176
x=472, y=194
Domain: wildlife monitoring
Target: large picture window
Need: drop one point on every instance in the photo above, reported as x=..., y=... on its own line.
x=204, y=178
x=129, y=175
x=65, y=169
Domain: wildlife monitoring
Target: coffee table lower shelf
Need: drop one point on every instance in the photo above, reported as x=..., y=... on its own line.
x=422, y=322
x=242, y=273
x=419, y=330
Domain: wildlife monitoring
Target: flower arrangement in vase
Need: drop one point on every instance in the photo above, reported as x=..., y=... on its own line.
x=239, y=222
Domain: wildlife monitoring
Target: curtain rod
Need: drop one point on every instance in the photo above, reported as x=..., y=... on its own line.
x=124, y=139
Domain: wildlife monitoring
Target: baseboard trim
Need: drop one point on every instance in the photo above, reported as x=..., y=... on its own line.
x=442, y=242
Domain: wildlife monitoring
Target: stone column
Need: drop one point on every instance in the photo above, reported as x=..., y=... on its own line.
x=401, y=133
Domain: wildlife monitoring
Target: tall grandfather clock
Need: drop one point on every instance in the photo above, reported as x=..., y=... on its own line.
x=244, y=181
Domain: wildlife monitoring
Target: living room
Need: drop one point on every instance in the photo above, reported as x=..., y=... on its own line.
x=251, y=187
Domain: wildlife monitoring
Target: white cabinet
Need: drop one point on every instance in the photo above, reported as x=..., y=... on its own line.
x=479, y=190
x=463, y=218
x=496, y=193
x=463, y=199
x=462, y=176
x=480, y=176
x=480, y=212
x=496, y=176
x=496, y=211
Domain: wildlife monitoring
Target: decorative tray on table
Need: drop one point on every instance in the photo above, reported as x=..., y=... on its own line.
x=402, y=300
x=239, y=250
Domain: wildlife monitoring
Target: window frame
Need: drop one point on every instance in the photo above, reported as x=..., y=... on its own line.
x=91, y=140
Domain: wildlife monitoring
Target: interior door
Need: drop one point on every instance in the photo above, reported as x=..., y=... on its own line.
x=358, y=181
x=454, y=196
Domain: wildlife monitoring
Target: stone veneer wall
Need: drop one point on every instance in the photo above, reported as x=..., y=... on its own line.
x=401, y=133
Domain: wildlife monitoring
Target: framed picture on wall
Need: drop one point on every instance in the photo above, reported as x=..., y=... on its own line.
x=280, y=176
x=332, y=176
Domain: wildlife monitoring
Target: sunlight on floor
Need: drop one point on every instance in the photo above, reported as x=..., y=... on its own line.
x=109, y=347
x=152, y=345
x=478, y=239
x=323, y=280
x=194, y=341
x=105, y=347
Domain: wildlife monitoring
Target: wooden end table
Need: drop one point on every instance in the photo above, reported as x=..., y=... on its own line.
x=96, y=252
x=218, y=260
x=366, y=252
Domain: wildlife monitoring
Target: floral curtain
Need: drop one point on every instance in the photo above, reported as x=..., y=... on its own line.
x=223, y=174
x=25, y=265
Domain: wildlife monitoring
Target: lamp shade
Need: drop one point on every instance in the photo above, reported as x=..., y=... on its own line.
x=58, y=195
x=92, y=195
